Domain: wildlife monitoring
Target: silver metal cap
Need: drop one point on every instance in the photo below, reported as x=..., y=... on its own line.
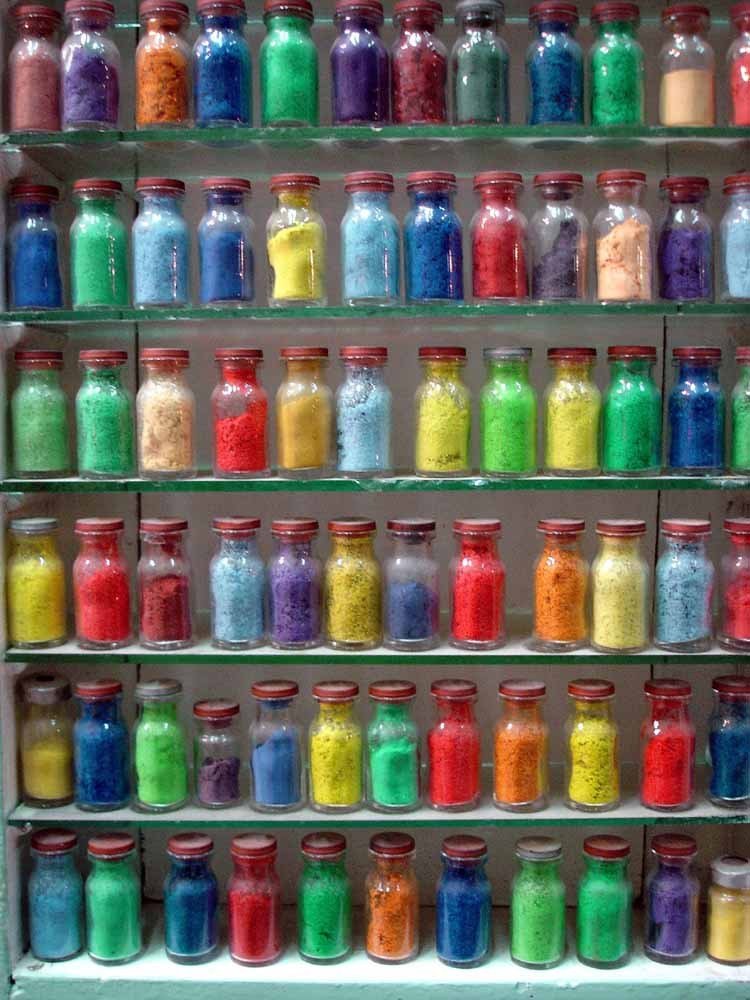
x=731, y=871
x=163, y=689
x=34, y=525
x=45, y=689
x=538, y=848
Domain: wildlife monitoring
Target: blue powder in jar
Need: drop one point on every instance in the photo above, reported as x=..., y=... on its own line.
x=363, y=421
x=412, y=611
x=433, y=248
x=101, y=746
x=34, y=268
x=226, y=267
x=463, y=909
x=191, y=902
x=237, y=583
x=221, y=72
x=696, y=419
x=554, y=70
x=276, y=769
x=55, y=906
x=161, y=248
x=736, y=256
x=370, y=249
x=729, y=752
x=684, y=592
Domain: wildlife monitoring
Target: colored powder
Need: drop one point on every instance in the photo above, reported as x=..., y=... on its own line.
x=667, y=767
x=218, y=781
x=620, y=605
x=631, y=420
x=360, y=72
x=324, y=910
x=297, y=259
x=594, y=767
x=90, y=84
x=687, y=98
x=363, y=422
x=161, y=770
x=739, y=88
x=294, y=595
x=571, y=423
x=221, y=73
x=412, y=610
x=454, y=753
x=370, y=250
x=191, y=909
x=696, y=420
x=102, y=602
x=618, y=77
x=166, y=418
x=240, y=442
x=161, y=251
x=393, y=757
x=537, y=915
x=35, y=582
x=685, y=263
x=728, y=925
x=276, y=768
x=34, y=86
x=165, y=609
x=479, y=67
x=101, y=746
x=463, y=914
x=736, y=608
x=443, y=426
x=623, y=262
x=162, y=92
x=478, y=596
x=508, y=421
x=433, y=250
x=604, y=913
x=47, y=766
x=113, y=911
x=226, y=264
x=671, y=913
x=560, y=272
x=684, y=582
x=560, y=590
x=392, y=907
x=254, y=902
x=352, y=594
x=336, y=758
x=55, y=908
x=498, y=257
x=735, y=254
x=34, y=263
x=304, y=430
x=729, y=752
x=104, y=424
x=288, y=74
x=554, y=73
x=520, y=755
x=419, y=71
x=39, y=420
x=740, y=447
x=237, y=584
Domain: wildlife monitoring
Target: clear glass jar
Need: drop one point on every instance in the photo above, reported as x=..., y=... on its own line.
x=685, y=249
x=411, y=577
x=442, y=414
x=98, y=246
x=237, y=585
x=104, y=417
x=33, y=247
x=225, y=243
x=735, y=239
x=359, y=65
x=695, y=412
x=335, y=749
x=687, y=66
x=734, y=628
x=324, y=899
x=101, y=747
x=254, y=900
x=239, y=410
x=295, y=576
x=684, y=587
x=433, y=240
x=162, y=65
x=729, y=911
x=558, y=239
x=160, y=240
x=216, y=753
x=623, y=235
x=164, y=585
x=288, y=65
x=728, y=751
x=40, y=433
x=90, y=67
x=165, y=415
x=621, y=599
x=499, y=245
x=454, y=747
x=393, y=760
x=463, y=903
x=667, y=776
x=617, y=66
x=477, y=584
x=537, y=904
x=507, y=414
x=572, y=413
x=370, y=241
x=46, y=741
x=277, y=774
x=738, y=62
x=605, y=902
x=554, y=66
x=739, y=460
x=521, y=748
x=222, y=71
x=363, y=413
x=631, y=413
x=191, y=900
x=35, y=584
x=419, y=64
x=479, y=64
x=55, y=895
x=296, y=243
x=592, y=756
x=352, y=586
x=671, y=895
x=113, y=900
x=561, y=577
x=34, y=69
x=392, y=900
x=304, y=413
x=160, y=755
x=101, y=585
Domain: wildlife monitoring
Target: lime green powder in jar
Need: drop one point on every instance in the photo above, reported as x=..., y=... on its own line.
x=160, y=755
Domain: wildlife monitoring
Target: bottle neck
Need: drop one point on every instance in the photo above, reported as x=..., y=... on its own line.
x=161, y=203
x=164, y=547
x=349, y=21
x=552, y=27
x=305, y=370
x=371, y=199
x=698, y=371
x=224, y=199
x=112, y=866
x=516, y=370
x=25, y=209
x=294, y=549
x=336, y=711
x=393, y=866
x=190, y=867
x=165, y=372
x=161, y=24
x=412, y=545
x=238, y=373
x=324, y=865
x=34, y=546
x=466, y=867
x=39, y=376
x=623, y=194
x=106, y=546
x=62, y=864
x=479, y=20
x=365, y=373
x=159, y=711
x=285, y=22
x=734, y=707
x=678, y=545
x=392, y=712
x=105, y=377
x=615, y=547
x=295, y=198
x=545, y=868
x=562, y=543
x=673, y=866
x=221, y=22
x=101, y=711
x=629, y=367
x=97, y=205
x=585, y=709
x=352, y=546
x=255, y=868
x=34, y=712
x=417, y=21
x=455, y=711
x=432, y=199
x=238, y=544
x=578, y=371
x=607, y=29
x=521, y=711
x=668, y=709
x=277, y=712
x=443, y=371
x=607, y=868
x=478, y=545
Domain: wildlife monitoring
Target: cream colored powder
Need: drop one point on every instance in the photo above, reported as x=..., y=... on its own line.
x=623, y=262
x=687, y=97
x=166, y=415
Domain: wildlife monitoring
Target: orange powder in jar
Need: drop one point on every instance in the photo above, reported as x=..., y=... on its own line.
x=162, y=66
x=520, y=747
x=392, y=899
x=560, y=586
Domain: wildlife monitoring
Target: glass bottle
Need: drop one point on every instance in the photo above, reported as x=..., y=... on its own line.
x=671, y=895
x=359, y=65
x=454, y=747
x=623, y=236
x=164, y=585
x=216, y=753
x=734, y=628
x=521, y=748
x=335, y=749
x=254, y=900
x=686, y=244
x=477, y=584
x=160, y=240
x=55, y=895
x=392, y=900
x=162, y=66
x=33, y=247
x=277, y=775
x=101, y=747
x=631, y=413
x=537, y=904
x=104, y=416
x=34, y=69
x=419, y=64
x=225, y=243
x=442, y=414
x=738, y=62
x=411, y=576
x=239, y=411
x=740, y=403
x=296, y=243
x=605, y=902
x=621, y=601
x=479, y=64
x=684, y=587
x=90, y=67
x=294, y=585
x=695, y=413
x=191, y=900
x=729, y=911
x=667, y=746
x=433, y=252
x=363, y=413
x=101, y=585
x=304, y=413
x=554, y=66
x=98, y=246
x=222, y=72
x=463, y=903
x=561, y=579
x=113, y=900
x=324, y=899
x=159, y=747
x=572, y=412
x=507, y=414
x=735, y=239
x=592, y=758
x=687, y=66
x=728, y=751
x=288, y=65
x=40, y=433
x=393, y=760
x=352, y=586
x=35, y=584
x=46, y=741
x=617, y=66
x=370, y=241
x=558, y=239
x=499, y=245
x=237, y=584
x=165, y=415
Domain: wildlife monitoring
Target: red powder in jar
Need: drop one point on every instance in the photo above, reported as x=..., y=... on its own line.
x=240, y=442
x=667, y=778
x=478, y=607
x=739, y=88
x=454, y=761
x=165, y=609
x=418, y=77
x=254, y=925
x=102, y=604
x=498, y=259
x=35, y=94
x=737, y=607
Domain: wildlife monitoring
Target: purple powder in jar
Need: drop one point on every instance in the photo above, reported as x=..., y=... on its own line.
x=294, y=597
x=556, y=273
x=685, y=258
x=219, y=780
x=672, y=917
x=91, y=89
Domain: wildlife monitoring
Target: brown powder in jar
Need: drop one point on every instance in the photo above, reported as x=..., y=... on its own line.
x=165, y=437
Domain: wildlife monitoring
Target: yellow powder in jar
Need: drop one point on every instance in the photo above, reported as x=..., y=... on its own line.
x=443, y=430
x=728, y=924
x=352, y=594
x=619, y=583
x=165, y=430
x=303, y=430
x=36, y=593
x=297, y=258
x=48, y=768
x=594, y=778
x=571, y=424
x=336, y=757
x=687, y=97
x=623, y=262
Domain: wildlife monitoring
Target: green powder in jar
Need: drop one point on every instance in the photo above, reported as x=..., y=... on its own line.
x=161, y=770
x=39, y=423
x=508, y=415
x=537, y=911
x=605, y=899
x=113, y=907
x=104, y=422
x=98, y=254
x=324, y=909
